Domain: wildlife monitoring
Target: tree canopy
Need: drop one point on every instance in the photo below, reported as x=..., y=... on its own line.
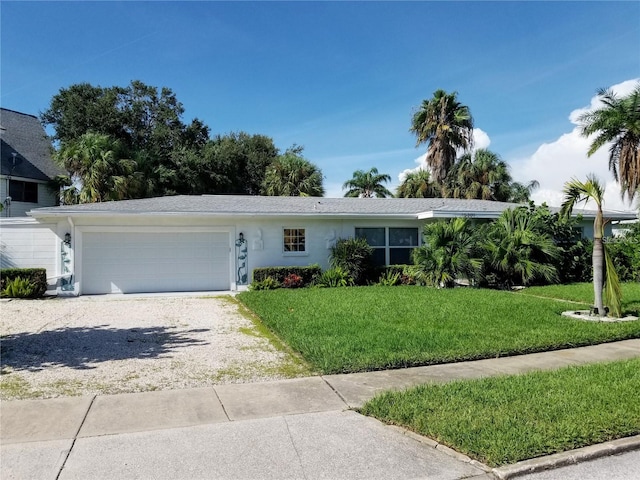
x=617, y=123
x=367, y=184
x=291, y=175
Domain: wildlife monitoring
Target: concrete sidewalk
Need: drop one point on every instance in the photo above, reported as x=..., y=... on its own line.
x=299, y=428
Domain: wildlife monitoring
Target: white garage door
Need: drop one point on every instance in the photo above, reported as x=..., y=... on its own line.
x=130, y=262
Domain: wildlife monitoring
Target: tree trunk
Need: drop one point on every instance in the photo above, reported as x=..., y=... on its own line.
x=598, y=264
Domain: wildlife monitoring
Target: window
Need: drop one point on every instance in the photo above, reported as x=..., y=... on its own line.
x=294, y=240
x=391, y=245
x=20, y=191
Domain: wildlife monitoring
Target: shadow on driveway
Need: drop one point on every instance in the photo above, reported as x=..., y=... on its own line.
x=79, y=347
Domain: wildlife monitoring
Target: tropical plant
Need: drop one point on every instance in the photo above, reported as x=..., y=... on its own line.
x=389, y=279
x=517, y=252
x=367, y=184
x=333, y=277
x=617, y=122
x=291, y=175
x=99, y=170
x=604, y=274
x=483, y=175
x=353, y=256
x=625, y=253
x=18, y=287
x=446, y=126
x=268, y=283
x=448, y=253
x=521, y=193
x=418, y=184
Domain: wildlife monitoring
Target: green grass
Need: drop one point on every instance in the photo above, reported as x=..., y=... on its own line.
x=372, y=328
x=583, y=292
x=504, y=420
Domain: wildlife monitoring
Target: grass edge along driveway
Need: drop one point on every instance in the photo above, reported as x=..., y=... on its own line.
x=503, y=420
x=340, y=330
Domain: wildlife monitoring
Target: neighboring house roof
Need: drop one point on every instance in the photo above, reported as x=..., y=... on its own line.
x=23, y=135
x=237, y=205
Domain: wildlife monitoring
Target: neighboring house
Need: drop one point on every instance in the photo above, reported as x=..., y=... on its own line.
x=27, y=166
x=213, y=242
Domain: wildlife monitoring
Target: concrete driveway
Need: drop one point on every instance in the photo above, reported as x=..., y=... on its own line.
x=101, y=345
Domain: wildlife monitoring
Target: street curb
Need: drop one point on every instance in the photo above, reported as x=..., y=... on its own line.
x=461, y=457
x=571, y=457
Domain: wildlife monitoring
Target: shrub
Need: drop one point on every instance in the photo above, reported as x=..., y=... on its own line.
x=268, y=283
x=353, y=256
x=36, y=276
x=334, y=277
x=292, y=281
x=389, y=279
x=18, y=287
x=279, y=274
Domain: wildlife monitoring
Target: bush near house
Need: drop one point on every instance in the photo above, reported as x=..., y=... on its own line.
x=280, y=274
x=36, y=277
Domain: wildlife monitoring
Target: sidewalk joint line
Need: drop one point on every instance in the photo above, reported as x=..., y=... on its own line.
x=75, y=437
x=293, y=444
x=335, y=391
x=222, y=404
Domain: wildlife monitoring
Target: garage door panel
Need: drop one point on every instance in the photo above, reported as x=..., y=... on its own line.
x=131, y=262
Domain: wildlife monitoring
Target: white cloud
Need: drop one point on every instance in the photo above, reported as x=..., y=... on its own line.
x=555, y=163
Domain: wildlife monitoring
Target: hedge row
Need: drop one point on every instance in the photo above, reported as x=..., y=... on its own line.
x=37, y=276
x=308, y=273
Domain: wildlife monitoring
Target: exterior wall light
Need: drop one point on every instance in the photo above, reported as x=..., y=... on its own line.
x=67, y=239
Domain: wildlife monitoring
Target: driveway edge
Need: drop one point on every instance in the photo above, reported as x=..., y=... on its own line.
x=570, y=457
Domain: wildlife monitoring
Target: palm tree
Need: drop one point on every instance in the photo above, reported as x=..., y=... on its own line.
x=291, y=175
x=521, y=193
x=418, y=184
x=448, y=253
x=367, y=184
x=576, y=191
x=517, y=253
x=483, y=175
x=98, y=170
x=618, y=122
x=446, y=126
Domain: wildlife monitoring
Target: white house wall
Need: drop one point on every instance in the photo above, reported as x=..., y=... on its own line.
x=46, y=198
x=25, y=243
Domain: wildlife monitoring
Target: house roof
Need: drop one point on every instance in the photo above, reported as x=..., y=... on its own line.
x=237, y=205
x=23, y=135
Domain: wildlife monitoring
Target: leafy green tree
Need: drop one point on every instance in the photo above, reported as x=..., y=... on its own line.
x=446, y=126
x=98, y=170
x=367, y=184
x=618, y=123
x=574, y=192
x=418, y=184
x=516, y=252
x=291, y=175
x=236, y=163
x=449, y=253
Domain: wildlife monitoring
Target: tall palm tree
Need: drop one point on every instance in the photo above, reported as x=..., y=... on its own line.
x=98, y=170
x=367, y=184
x=446, y=126
x=448, y=253
x=483, y=175
x=418, y=184
x=618, y=122
x=290, y=175
x=576, y=191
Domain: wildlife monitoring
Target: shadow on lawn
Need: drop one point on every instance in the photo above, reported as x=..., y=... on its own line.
x=79, y=347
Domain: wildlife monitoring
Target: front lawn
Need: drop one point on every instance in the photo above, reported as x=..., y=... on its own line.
x=583, y=292
x=372, y=328
x=504, y=420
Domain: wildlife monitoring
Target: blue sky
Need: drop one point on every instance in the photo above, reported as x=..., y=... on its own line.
x=341, y=78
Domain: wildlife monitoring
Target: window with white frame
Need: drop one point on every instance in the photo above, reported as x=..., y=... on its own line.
x=294, y=240
x=391, y=245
